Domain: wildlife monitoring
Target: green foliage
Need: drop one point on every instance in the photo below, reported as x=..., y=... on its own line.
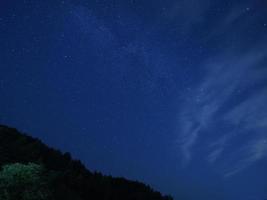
x=24, y=182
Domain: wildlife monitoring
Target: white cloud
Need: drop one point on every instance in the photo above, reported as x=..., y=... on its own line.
x=218, y=146
x=217, y=102
x=248, y=155
x=251, y=113
x=214, y=155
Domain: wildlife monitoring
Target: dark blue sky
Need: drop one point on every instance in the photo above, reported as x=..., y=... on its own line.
x=171, y=93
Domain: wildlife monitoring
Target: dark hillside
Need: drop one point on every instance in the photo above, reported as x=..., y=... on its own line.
x=73, y=180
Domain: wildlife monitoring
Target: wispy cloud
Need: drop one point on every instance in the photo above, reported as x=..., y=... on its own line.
x=230, y=95
x=248, y=155
x=218, y=146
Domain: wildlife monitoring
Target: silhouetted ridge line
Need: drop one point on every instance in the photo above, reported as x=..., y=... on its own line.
x=73, y=180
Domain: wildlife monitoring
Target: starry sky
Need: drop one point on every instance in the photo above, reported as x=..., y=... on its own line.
x=168, y=92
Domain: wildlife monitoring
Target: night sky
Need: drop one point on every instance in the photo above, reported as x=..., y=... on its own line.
x=170, y=93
